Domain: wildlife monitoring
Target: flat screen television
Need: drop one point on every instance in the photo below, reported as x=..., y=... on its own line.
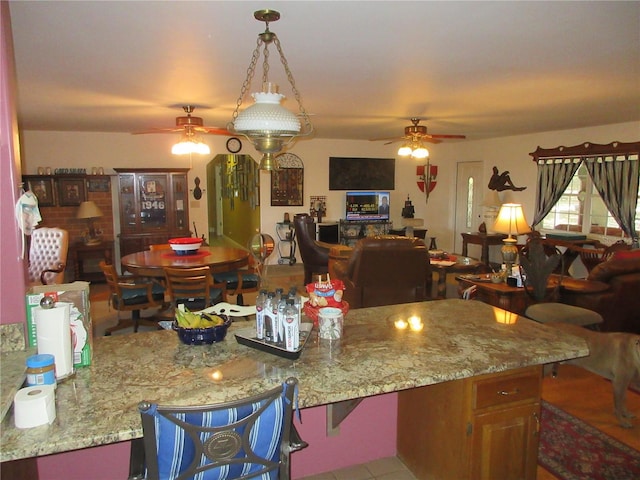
x=367, y=206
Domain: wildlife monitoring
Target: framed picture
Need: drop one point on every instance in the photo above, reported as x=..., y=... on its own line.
x=71, y=192
x=99, y=184
x=287, y=181
x=42, y=187
x=287, y=187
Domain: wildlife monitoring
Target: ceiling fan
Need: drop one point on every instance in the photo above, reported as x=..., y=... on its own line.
x=189, y=125
x=417, y=133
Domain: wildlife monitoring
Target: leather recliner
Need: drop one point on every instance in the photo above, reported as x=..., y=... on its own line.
x=386, y=270
x=315, y=254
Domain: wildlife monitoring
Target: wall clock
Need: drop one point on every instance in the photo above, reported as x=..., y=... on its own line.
x=234, y=145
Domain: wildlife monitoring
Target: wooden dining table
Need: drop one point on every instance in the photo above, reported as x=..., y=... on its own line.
x=151, y=263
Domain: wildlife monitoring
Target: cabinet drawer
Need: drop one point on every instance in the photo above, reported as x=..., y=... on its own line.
x=502, y=390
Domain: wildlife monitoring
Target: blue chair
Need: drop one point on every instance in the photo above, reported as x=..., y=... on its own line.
x=239, y=282
x=250, y=438
x=132, y=294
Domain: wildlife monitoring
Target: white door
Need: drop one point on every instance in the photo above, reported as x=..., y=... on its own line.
x=470, y=189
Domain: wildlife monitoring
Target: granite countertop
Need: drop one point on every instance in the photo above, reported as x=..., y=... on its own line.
x=459, y=339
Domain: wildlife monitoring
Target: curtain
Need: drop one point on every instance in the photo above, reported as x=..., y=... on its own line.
x=616, y=179
x=554, y=176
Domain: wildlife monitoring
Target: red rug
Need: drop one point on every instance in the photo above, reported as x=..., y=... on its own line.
x=573, y=450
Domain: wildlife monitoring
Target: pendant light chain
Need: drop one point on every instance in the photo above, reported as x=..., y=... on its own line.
x=247, y=81
x=296, y=93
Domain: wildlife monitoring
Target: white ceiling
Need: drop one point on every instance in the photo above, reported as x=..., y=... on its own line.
x=483, y=69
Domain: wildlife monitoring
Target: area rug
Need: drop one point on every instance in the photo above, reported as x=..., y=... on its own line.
x=573, y=450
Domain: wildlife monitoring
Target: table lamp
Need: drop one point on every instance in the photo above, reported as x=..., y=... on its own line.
x=90, y=211
x=510, y=221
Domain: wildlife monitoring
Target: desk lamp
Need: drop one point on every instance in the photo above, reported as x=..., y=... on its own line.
x=510, y=221
x=90, y=211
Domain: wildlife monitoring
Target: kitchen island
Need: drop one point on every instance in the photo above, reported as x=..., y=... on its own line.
x=455, y=340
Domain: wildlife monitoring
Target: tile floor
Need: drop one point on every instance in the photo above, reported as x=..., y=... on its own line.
x=383, y=469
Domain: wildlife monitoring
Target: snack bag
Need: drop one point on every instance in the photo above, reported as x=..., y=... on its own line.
x=325, y=293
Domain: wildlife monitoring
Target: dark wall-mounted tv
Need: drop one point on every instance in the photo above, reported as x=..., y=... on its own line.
x=367, y=206
x=347, y=173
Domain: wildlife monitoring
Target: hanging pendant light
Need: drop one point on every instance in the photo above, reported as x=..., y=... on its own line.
x=266, y=124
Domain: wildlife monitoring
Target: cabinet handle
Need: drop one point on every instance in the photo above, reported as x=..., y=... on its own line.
x=535, y=416
x=515, y=391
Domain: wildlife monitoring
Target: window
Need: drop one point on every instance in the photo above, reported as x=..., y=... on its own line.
x=577, y=211
x=579, y=187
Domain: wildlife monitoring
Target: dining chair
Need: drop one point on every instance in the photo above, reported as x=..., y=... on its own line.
x=240, y=281
x=159, y=246
x=131, y=294
x=195, y=288
x=248, y=438
x=48, y=255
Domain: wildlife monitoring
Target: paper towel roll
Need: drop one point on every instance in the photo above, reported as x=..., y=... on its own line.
x=53, y=335
x=34, y=406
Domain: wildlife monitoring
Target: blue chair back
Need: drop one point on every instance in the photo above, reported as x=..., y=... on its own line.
x=247, y=438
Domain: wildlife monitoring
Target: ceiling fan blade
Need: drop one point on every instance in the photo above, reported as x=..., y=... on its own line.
x=158, y=130
x=392, y=139
x=215, y=131
x=447, y=136
x=430, y=139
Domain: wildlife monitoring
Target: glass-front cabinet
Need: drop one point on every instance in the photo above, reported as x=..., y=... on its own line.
x=153, y=207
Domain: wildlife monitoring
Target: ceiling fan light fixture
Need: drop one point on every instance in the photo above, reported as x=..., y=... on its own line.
x=188, y=144
x=266, y=124
x=420, y=152
x=405, y=150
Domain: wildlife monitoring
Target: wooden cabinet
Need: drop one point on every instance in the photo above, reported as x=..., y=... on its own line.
x=483, y=427
x=153, y=207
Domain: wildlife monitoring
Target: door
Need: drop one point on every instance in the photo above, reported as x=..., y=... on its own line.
x=469, y=194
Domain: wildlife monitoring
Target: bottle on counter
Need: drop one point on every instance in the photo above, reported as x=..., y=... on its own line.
x=282, y=304
x=270, y=318
x=260, y=301
x=291, y=326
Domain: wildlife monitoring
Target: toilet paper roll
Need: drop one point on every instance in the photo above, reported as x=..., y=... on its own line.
x=53, y=334
x=34, y=406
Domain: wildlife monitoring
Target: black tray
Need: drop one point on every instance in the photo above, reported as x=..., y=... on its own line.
x=247, y=336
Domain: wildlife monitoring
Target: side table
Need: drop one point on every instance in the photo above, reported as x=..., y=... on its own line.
x=443, y=267
x=483, y=239
x=85, y=256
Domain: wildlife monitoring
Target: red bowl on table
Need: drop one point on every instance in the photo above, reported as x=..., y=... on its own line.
x=185, y=245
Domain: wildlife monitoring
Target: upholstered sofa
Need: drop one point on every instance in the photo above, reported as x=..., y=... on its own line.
x=620, y=304
x=385, y=270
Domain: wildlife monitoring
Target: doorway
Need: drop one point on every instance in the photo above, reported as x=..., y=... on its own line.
x=469, y=196
x=233, y=183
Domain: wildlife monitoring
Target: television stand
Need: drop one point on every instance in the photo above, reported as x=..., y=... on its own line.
x=353, y=230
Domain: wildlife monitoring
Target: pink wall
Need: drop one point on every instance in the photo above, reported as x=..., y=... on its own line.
x=368, y=433
x=12, y=277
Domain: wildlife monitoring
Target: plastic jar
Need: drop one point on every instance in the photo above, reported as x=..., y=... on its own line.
x=41, y=370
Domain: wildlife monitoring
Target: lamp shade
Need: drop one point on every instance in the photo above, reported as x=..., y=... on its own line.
x=511, y=220
x=89, y=209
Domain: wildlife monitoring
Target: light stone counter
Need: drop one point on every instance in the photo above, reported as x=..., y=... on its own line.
x=459, y=339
